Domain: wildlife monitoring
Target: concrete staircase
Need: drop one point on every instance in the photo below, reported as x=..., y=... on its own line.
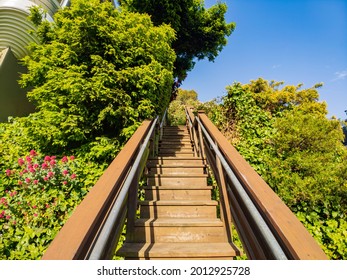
x=178, y=219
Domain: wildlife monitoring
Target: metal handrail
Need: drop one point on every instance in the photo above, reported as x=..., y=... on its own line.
x=266, y=226
x=102, y=241
x=94, y=228
x=162, y=124
x=163, y=119
x=263, y=228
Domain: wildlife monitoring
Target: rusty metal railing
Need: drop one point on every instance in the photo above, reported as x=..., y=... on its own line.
x=93, y=230
x=266, y=226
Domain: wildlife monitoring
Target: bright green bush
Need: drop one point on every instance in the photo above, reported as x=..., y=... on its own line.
x=96, y=74
x=284, y=134
x=37, y=195
x=176, y=111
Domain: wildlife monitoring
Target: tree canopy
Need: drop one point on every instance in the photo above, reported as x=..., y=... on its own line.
x=200, y=33
x=97, y=73
x=176, y=111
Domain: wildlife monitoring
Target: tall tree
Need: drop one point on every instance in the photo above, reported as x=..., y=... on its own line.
x=98, y=72
x=201, y=33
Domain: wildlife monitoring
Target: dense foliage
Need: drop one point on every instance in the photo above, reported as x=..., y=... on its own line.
x=284, y=134
x=201, y=33
x=97, y=74
x=38, y=194
x=176, y=111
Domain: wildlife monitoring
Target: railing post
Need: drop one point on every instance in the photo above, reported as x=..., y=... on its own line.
x=191, y=123
x=155, y=140
x=224, y=199
x=132, y=206
x=201, y=141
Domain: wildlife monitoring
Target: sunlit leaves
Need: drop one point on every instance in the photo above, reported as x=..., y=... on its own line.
x=200, y=32
x=283, y=132
x=98, y=73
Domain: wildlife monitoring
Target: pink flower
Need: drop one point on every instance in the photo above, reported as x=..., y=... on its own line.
x=73, y=176
x=20, y=182
x=33, y=153
x=72, y=157
x=45, y=178
x=47, y=205
x=64, y=159
x=14, y=222
x=28, y=158
x=21, y=161
x=53, y=157
x=35, y=214
x=36, y=182
x=47, y=158
x=3, y=201
x=36, y=166
x=25, y=171
x=53, y=162
x=44, y=166
x=65, y=172
x=8, y=172
x=50, y=174
x=32, y=170
x=27, y=180
x=34, y=206
x=8, y=217
x=65, y=182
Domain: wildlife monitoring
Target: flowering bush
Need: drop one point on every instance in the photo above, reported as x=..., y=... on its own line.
x=36, y=197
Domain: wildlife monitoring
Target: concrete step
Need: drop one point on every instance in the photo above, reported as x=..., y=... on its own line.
x=177, y=193
x=179, y=251
x=179, y=230
x=177, y=180
x=178, y=209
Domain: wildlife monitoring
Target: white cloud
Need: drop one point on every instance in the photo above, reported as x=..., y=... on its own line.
x=276, y=66
x=340, y=75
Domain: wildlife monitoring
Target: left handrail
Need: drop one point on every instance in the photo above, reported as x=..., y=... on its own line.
x=102, y=246
x=78, y=236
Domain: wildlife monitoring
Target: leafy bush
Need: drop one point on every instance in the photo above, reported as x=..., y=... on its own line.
x=176, y=111
x=37, y=195
x=285, y=135
x=96, y=74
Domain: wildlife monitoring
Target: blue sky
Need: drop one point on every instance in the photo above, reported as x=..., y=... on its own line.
x=296, y=41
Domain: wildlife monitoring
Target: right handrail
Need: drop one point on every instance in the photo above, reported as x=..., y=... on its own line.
x=266, y=226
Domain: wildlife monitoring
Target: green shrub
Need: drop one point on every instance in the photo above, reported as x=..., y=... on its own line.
x=37, y=195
